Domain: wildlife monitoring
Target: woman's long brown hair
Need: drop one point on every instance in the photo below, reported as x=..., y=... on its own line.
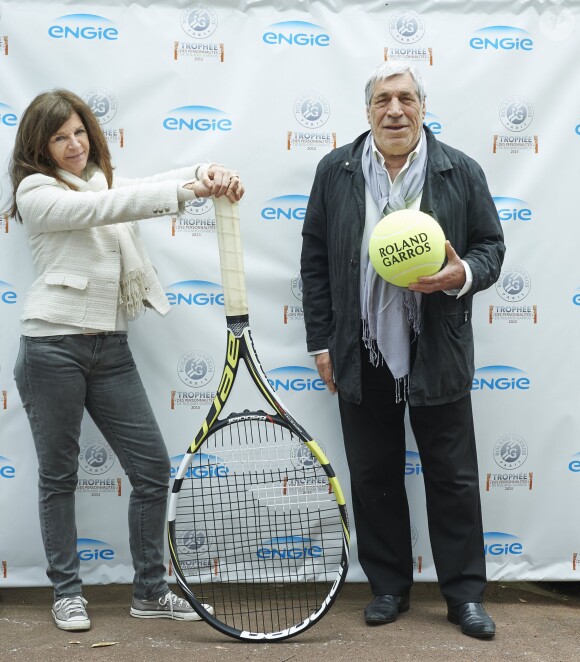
x=40, y=121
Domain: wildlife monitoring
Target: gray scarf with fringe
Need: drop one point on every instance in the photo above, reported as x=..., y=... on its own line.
x=390, y=313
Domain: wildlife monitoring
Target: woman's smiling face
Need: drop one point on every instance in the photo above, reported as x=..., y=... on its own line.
x=69, y=147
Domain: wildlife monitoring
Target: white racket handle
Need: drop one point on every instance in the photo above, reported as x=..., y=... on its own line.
x=231, y=257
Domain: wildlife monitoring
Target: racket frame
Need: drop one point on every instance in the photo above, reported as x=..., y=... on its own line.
x=240, y=347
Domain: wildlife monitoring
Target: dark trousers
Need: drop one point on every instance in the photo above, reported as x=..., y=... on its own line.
x=374, y=437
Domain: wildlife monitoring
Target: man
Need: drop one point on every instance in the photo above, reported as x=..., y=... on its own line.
x=382, y=347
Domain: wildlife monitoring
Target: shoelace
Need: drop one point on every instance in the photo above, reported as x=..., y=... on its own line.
x=70, y=605
x=172, y=599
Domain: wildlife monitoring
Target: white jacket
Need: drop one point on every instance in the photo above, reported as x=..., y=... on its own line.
x=74, y=244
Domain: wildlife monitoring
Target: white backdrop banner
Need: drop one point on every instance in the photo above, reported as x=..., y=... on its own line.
x=270, y=88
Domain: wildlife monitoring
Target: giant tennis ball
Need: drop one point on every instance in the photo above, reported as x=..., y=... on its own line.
x=405, y=245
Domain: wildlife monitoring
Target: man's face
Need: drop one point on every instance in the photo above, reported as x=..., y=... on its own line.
x=396, y=115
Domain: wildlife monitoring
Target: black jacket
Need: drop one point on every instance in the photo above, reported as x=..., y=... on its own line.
x=456, y=194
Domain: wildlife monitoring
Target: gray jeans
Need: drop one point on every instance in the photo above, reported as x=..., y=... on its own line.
x=57, y=378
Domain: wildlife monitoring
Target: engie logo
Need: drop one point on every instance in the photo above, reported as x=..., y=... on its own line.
x=89, y=549
x=434, y=123
x=576, y=297
x=501, y=38
x=512, y=209
x=296, y=33
x=573, y=465
x=413, y=465
x=195, y=293
x=500, y=378
x=197, y=118
x=295, y=378
x=6, y=468
x=289, y=547
x=289, y=207
x=497, y=543
x=7, y=116
x=202, y=466
x=7, y=294
x=83, y=26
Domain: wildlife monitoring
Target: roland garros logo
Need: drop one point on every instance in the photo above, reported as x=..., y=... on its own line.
x=196, y=369
x=296, y=285
x=198, y=206
x=407, y=27
x=314, y=480
x=516, y=113
x=102, y=102
x=510, y=451
x=302, y=458
x=193, y=541
x=513, y=284
x=96, y=457
x=199, y=21
x=311, y=110
x=405, y=249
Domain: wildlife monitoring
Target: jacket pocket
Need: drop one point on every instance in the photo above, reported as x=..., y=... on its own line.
x=66, y=280
x=58, y=297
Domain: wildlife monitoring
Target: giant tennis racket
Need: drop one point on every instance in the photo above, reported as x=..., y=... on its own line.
x=258, y=526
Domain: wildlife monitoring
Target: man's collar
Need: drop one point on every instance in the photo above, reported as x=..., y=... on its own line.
x=410, y=157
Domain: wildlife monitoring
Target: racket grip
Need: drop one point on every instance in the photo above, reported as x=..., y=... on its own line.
x=231, y=257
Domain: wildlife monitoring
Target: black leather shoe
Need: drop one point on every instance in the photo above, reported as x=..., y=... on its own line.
x=385, y=608
x=473, y=620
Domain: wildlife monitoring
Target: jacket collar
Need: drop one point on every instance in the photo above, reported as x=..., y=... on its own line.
x=438, y=160
x=352, y=162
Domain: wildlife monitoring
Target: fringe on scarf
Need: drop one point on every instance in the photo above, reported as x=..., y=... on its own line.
x=413, y=313
x=375, y=356
x=377, y=359
x=132, y=293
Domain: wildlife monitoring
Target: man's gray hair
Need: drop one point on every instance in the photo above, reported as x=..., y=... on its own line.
x=388, y=69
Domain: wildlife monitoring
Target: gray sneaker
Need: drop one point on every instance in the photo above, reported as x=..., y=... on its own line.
x=167, y=606
x=70, y=614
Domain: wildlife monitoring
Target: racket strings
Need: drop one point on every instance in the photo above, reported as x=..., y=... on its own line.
x=258, y=531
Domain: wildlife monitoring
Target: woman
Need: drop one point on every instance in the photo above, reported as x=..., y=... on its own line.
x=94, y=276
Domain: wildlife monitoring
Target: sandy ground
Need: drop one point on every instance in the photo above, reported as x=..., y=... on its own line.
x=535, y=622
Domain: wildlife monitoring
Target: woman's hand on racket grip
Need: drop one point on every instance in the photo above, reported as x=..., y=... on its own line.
x=325, y=370
x=220, y=180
